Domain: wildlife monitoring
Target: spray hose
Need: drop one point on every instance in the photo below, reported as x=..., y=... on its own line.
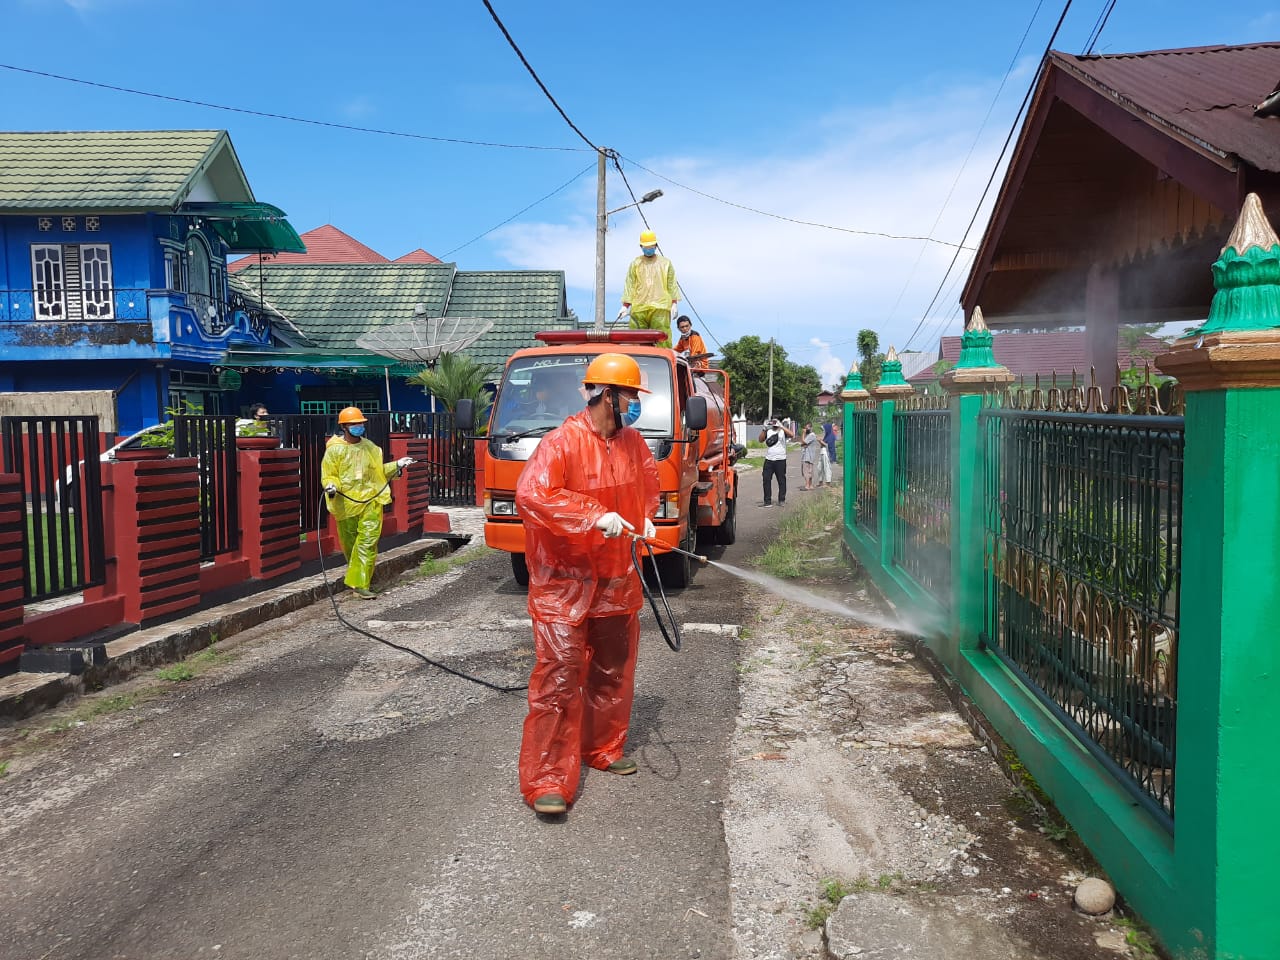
x=500, y=688
x=673, y=638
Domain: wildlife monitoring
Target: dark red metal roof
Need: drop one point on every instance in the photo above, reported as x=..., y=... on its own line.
x=1060, y=352
x=417, y=256
x=326, y=244
x=1206, y=93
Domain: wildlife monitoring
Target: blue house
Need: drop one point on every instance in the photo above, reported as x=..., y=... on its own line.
x=113, y=252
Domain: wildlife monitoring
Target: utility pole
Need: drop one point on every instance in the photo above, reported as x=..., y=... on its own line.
x=770, y=416
x=601, y=223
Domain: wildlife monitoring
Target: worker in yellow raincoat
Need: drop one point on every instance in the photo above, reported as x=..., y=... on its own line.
x=358, y=485
x=651, y=291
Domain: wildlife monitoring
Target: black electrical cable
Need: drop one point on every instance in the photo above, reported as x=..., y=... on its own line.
x=373, y=636
x=994, y=170
x=538, y=80
x=278, y=116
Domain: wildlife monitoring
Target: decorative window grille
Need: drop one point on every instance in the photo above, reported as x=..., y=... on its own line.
x=47, y=281
x=95, y=281
x=44, y=224
x=174, y=270
x=93, y=224
x=72, y=281
x=69, y=223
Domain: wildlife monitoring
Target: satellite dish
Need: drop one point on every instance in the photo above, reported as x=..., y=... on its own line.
x=424, y=340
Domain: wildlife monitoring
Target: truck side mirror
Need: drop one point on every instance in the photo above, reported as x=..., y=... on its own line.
x=464, y=415
x=695, y=413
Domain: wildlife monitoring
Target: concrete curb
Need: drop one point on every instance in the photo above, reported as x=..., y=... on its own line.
x=22, y=694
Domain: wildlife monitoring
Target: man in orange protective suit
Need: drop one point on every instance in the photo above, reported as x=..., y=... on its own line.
x=590, y=480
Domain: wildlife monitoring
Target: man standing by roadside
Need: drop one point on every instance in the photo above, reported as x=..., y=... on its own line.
x=651, y=291
x=774, y=435
x=691, y=344
x=590, y=480
x=357, y=484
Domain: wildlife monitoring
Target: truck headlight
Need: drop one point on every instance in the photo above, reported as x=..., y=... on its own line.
x=500, y=506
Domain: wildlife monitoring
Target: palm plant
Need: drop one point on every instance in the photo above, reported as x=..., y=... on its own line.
x=457, y=377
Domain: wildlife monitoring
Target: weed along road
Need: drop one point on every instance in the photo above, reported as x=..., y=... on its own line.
x=309, y=794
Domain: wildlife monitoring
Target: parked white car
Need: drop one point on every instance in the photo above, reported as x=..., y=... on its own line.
x=131, y=442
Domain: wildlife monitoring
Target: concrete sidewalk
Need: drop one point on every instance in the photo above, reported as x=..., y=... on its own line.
x=22, y=694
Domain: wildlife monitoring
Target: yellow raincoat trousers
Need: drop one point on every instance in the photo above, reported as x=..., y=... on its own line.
x=649, y=291
x=584, y=598
x=361, y=476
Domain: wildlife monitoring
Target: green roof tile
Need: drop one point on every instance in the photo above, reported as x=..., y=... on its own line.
x=121, y=170
x=333, y=304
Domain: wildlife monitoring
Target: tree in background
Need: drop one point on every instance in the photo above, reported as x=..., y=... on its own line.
x=872, y=359
x=456, y=377
x=795, y=386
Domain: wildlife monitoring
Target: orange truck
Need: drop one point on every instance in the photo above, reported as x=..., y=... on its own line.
x=684, y=420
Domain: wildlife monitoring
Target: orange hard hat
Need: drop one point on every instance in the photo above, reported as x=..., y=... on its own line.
x=614, y=370
x=351, y=415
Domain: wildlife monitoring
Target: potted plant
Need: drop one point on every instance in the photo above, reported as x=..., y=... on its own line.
x=255, y=435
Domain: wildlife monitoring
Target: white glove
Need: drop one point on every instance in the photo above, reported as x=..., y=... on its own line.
x=612, y=525
x=622, y=313
x=404, y=462
x=331, y=489
x=650, y=531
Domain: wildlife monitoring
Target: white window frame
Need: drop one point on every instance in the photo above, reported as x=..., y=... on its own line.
x=96, y=291
x=49, y=293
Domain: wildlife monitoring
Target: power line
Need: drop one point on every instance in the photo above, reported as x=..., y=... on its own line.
x=1013, y=61
x=542, y=86
x=778, y=216
x=1098, y=26
x=1013, y=128
x=277, y=116
x=577, y=176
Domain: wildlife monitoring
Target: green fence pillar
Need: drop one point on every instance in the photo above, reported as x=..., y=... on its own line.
x=891, y=387
x=1225, y=846
x=976, y=373
x=853, y=392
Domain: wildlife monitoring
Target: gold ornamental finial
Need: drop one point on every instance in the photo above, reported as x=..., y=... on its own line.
x=976, y=322
x=892, y=355
x=1253, y=229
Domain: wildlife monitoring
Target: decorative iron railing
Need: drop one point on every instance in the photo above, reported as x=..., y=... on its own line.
x=450, y=462
x=922, y=497
x=62, y=541
x=212, y=441
x=1083, y=550
x=74, y=305
x=866, y=447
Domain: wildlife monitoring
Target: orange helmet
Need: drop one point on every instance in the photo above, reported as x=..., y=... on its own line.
x=351, y=415
x=614, y=370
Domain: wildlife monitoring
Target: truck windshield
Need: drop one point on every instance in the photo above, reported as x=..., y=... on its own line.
x=538, y=392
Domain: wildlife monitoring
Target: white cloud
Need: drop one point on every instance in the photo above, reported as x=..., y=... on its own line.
x=887, y=170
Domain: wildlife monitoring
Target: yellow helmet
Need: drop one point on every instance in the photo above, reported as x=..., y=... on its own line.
x=614, y=370
x=351, y=415
x=648, y=239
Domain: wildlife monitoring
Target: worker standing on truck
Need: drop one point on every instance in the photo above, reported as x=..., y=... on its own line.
x=651, y=291
x=589, y=480
x=357, y=485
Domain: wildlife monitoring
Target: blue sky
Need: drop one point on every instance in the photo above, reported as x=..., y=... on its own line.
x=873, y=117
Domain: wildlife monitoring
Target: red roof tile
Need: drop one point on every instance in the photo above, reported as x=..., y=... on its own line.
x=325, y=244
x=1207, y=93
x=1028, y=354
x=417, y=256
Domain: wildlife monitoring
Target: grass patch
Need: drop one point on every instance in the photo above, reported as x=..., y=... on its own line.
x=432, y=566
x=202, y=661
x=4, y=768
x=830, y=894
x=809, y=533
x=1138, y=939
x=105, y=706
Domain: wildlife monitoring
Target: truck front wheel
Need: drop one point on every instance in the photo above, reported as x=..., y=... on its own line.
x=727, y=532
x=676, y=569
x=520, y=569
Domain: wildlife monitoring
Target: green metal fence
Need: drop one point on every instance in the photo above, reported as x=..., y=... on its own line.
x=922, y=498
x=865, y=441
x=1083, y=538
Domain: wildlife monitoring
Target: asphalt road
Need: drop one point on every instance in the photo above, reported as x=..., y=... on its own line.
x=322, y=796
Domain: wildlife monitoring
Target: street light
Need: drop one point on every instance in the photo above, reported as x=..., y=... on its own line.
x=602, y=219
